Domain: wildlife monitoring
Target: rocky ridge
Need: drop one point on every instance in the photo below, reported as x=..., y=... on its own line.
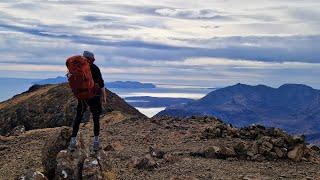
x=137, y=147
x=259, y=143
x=166, y=148
x=47, y=106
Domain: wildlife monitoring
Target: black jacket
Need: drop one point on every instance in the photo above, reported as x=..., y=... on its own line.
x=96, y=75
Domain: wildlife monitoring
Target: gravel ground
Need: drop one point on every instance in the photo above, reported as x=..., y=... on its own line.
x=130, y=138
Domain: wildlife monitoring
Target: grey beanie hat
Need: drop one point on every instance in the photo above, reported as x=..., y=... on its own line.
x=88, y=54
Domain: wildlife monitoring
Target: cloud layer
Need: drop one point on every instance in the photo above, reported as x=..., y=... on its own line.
x=217, y=42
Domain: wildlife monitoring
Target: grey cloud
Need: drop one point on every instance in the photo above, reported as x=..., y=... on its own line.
x=97, y=18
x=305, y=14
x=108, y=22
x=263, y=48
x=25, y=5
x=144, y=9
x=150, y=18
x=101, y=17
x=40, y=43
x=259, y=17
x=114, y=26
x=192, y=14
x=210, y=27
x=277, y=49
x=87, y=39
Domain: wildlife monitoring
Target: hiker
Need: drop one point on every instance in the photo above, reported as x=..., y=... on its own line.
x=87, y=84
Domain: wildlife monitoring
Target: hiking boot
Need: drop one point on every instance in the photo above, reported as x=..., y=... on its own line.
x=73, y=144
x=96, y=145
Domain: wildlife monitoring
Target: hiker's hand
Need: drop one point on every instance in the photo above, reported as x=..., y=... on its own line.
x=108, y=109
x=103, y=100
x=103, y=97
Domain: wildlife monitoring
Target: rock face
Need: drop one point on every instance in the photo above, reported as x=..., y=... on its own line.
x=53, y=146
x=80, y=164
x=91, y=169
x=69, y=164
x=49, y=106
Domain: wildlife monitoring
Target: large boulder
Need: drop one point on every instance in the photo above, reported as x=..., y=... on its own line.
x=315, y=148
x=280, y=152
x=91, y=169
x=211, y=152
x=312, y=154
x=219, y=152
x=220, y=130
x=226, y=152
x=18, y=130
x=146, y=163
x=52, y=147
x=265, y=147
x=98, y=166
x=156, y=152
x=33, y=175
x=253, y=150
x=69, y=164
x=297, y=152
x=279, y=142
x=241, y=149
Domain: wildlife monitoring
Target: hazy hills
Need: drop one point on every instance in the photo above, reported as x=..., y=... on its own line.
x=114, y=84
x=293, y=107
x=12, y=86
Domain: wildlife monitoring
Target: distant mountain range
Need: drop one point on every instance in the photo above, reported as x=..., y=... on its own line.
x=12, y=86
x=293, y=107
x=56, y=80
x=153, y=102
x=129, y=84
x=115, y=84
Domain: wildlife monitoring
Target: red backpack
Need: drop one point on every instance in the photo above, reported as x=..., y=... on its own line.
x=80, y=77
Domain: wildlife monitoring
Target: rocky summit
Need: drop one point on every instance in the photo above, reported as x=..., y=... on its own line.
x=45, y=106
x=163, y=147
x=160, y=148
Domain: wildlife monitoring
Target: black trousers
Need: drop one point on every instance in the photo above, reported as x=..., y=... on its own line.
x=95, y=108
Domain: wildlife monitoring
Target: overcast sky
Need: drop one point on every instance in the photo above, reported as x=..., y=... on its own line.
x=203, y=42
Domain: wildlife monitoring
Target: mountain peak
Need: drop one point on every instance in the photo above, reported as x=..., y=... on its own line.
x=293, y=107
x=295, y=86
x=44, y=106
x=240, y=85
